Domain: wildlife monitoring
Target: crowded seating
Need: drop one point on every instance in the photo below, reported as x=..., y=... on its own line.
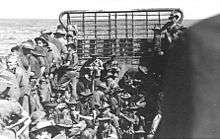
x=53, y=95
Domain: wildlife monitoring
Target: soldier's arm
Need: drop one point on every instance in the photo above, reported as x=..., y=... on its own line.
x=68, y=58
x=19, y=76
x=76, y=60
x=42, y=65
x=166, y=26
x=19, y=111
x=100, y=64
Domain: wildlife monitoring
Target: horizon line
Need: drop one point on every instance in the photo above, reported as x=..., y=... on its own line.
x=58, y=18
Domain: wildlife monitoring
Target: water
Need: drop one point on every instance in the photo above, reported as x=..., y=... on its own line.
x=14, y=31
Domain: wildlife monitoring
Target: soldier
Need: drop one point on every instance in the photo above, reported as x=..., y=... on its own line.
x=48, y=36
x=44, y=54
x=157, y=40
x=85, y=103
x=91, y=70
x=144, y=87
x=60, y=41
x=111, y=83
x=72, y=32
x=99, y=93
x=172, y=27
x=11, y=113
x=112, y=66
x=45, y=51
x=93, y=66
x=35, y=74
x=73, y=29
x=71, y=64
x=7, y=76
x=105, y=114
x=22, y=78
x=44, y=45
x=22, y=60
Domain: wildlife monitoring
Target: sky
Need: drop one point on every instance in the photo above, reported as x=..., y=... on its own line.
x=50, y=9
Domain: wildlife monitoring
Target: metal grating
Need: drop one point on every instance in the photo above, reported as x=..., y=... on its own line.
x=118, y=32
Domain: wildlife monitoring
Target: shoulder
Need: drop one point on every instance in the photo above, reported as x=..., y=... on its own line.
x=11, y=105
x=19, y=70
x=7, y=74
x=169, y=23
x=99, y=60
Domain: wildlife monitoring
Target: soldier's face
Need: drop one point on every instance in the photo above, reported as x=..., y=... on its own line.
x=69, y=39
x=40, y=43
x=109, y=80
x=11, y=63
x=174, y=19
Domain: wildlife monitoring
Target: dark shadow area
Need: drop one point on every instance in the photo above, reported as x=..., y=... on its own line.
x=178, y=101
x=191, y=104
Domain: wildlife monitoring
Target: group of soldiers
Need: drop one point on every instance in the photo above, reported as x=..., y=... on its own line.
x=42, y=85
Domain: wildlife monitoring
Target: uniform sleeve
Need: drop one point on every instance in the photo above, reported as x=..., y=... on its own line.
x=80, y=88
x=19, y=77
x=16, y=109
x=64, y=49
x=70, y=56
x=42, y=61
x=166, y=26
x=76, y=59
x=100, y=63
x=23, y=61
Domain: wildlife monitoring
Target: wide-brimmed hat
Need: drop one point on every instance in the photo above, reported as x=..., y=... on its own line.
x=143, y=69
x=66, y=123
x=16, y=48
x=61, y=106
x=41, y=39
x=104, y=119
x=109, y=75
x=50, y=104
x=94, y=55
x=60, y=32
x=126, y=96
x=86, y=94
x=73, y=102
x=45, y=31
x=37, y=116
x=37, y=53
x=104, y=106
x=173, y=16
x=102, y=85
x=140, y=131
x=41, y=125
x=28, y=45
x=30, y=41
x=71, y=45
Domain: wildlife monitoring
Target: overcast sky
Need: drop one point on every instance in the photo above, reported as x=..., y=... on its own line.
x=50, y=9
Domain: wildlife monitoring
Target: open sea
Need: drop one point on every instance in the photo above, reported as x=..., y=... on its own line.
x=13, y=31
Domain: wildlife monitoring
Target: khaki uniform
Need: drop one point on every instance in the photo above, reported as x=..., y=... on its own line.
x=14, y=91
